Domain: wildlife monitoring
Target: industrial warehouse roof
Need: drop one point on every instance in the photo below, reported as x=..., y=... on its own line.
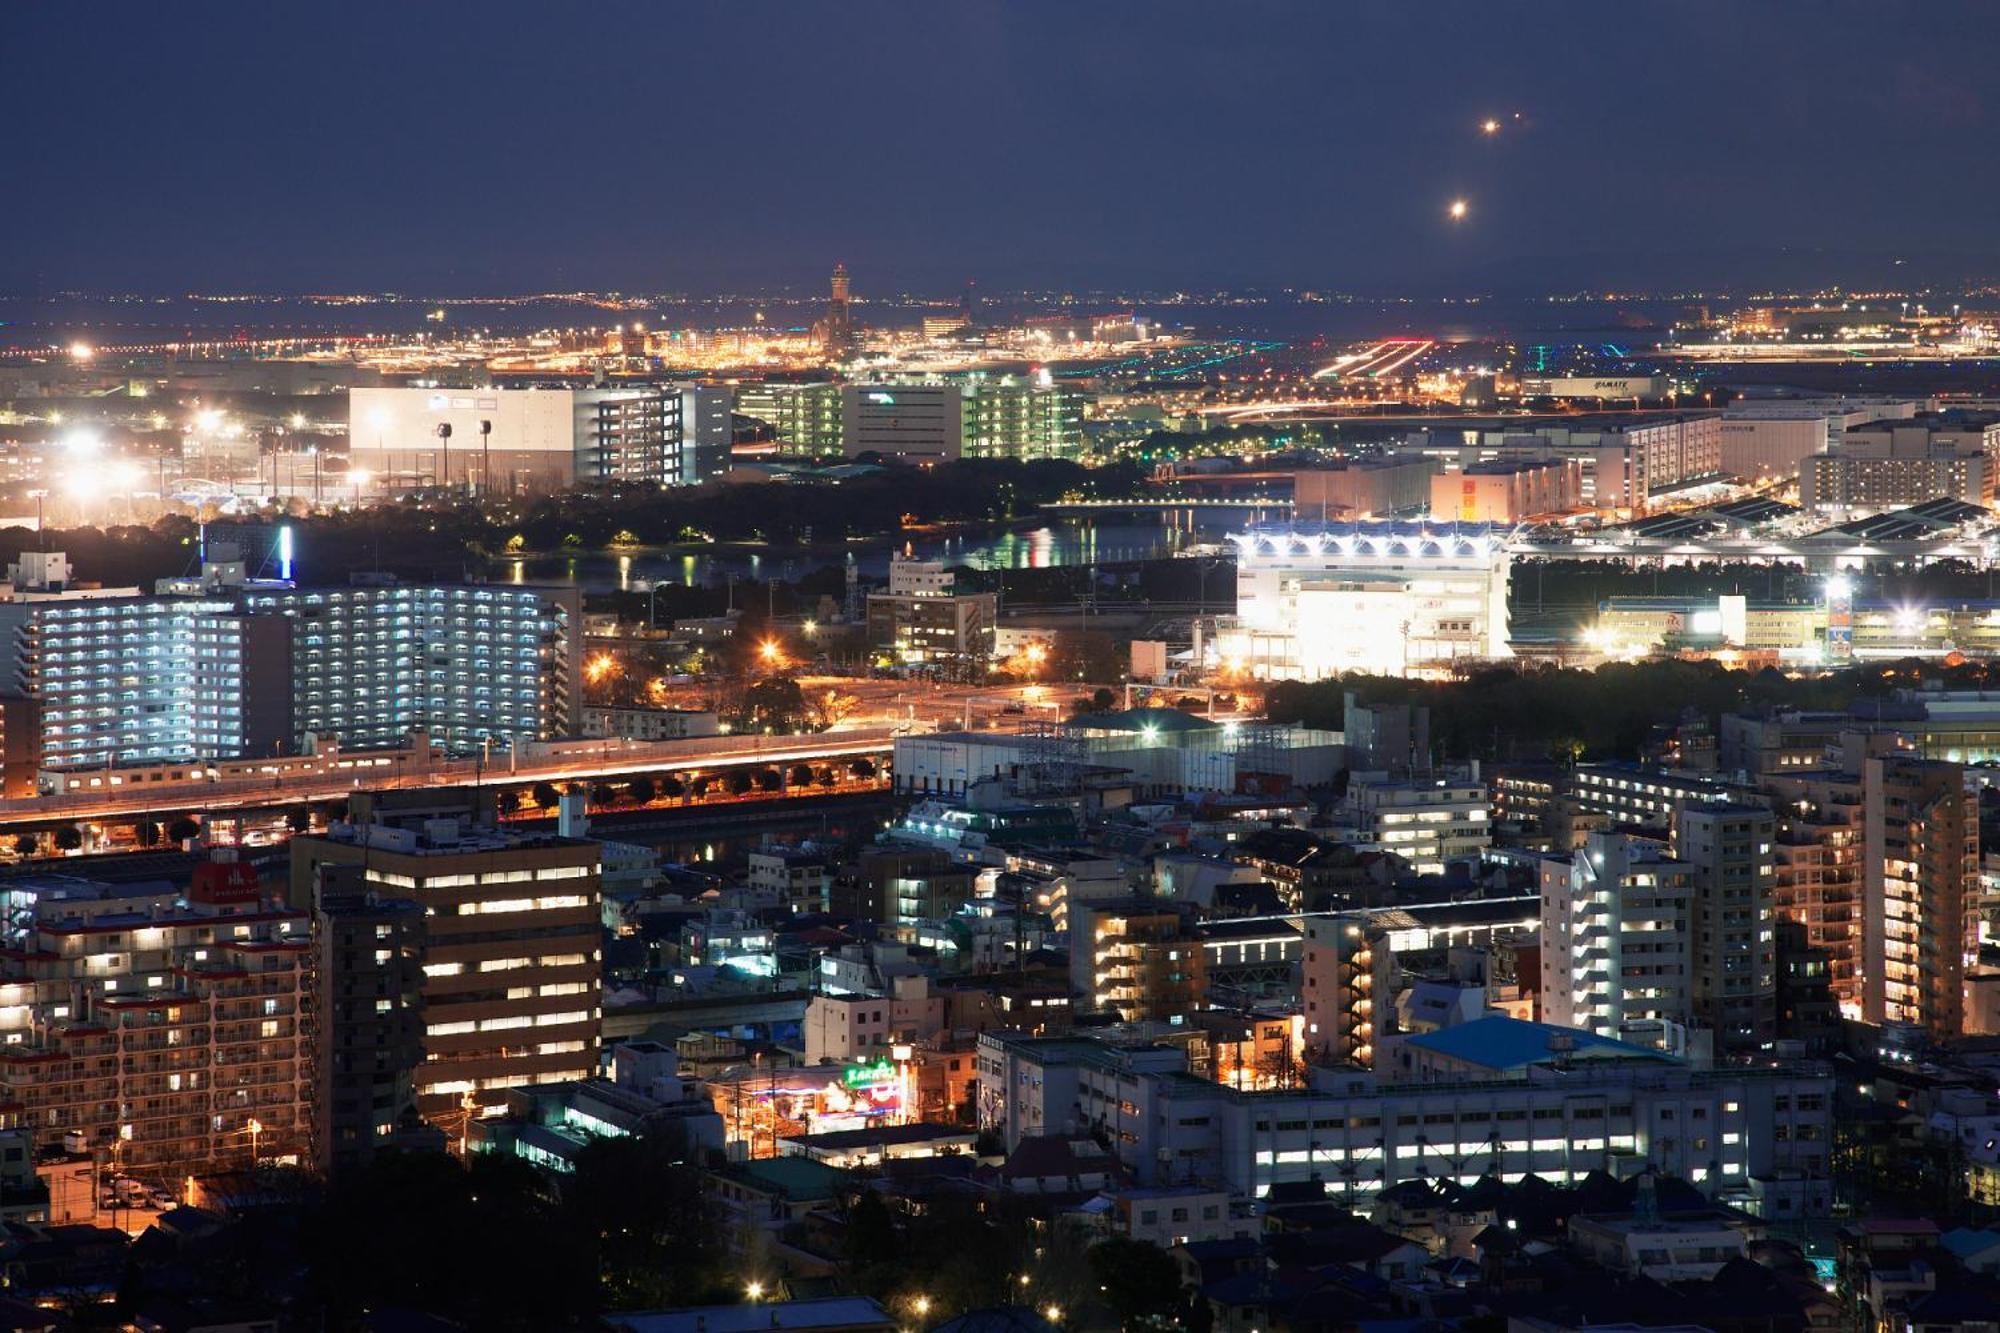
x=1506, y=1044
x=1145, y=719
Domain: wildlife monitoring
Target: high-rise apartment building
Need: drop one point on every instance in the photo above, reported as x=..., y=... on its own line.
x=1920, y=895
x=1819, y=882
x=511, y=991
x=364, y=1022
x=469, y=664
x=1137, y=958
x=1616, y=939
x=133, y=680
x=252, y=668
x=1731, y=851
x=160, y=1023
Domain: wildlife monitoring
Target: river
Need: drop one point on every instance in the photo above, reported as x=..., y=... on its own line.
x=1058, y=542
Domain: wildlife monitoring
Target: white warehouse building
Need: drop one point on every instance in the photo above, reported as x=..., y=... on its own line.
x=1390, y=599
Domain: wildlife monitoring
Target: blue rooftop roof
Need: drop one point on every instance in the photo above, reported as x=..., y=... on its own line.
x=1499, y=1042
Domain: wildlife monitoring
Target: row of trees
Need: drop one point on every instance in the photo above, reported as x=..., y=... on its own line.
x=677, y=787
x=1528, y=712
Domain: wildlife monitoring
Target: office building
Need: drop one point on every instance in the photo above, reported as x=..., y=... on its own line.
x=923, y=618
x=161, y=1024
x=1731, y=851
x=1895, y=463
x=1507, y=491
x=511, y=991
x=1394, y=599
x=513, y=442
x=902, y=421
x=1625, y=463
x=805, y=420
x=1137, y=958
x=1617, y=939
x=364, y=1024
x=1920, y=892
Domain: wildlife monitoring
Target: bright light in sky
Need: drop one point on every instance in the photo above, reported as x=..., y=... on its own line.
x=1457, y=210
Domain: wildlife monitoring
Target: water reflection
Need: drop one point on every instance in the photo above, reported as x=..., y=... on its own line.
x=1064, y=542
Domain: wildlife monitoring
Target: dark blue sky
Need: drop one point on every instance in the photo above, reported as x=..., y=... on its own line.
x=510, y=146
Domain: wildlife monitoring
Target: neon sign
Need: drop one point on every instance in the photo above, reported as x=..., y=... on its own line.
x=868, y=1075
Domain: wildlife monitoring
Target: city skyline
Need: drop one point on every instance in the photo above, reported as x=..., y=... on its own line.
x=707, y=147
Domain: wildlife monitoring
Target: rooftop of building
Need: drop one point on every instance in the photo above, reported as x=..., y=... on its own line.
x=882, y=1136
x=798, y=1179
x=832, y=1312
x=1501, y=1043
x=1145, y=720
x=445, y=837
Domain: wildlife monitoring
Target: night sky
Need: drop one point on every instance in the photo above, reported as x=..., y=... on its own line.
x=508, y=146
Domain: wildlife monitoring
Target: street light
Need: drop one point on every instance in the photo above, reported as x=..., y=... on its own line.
x=754, y=1290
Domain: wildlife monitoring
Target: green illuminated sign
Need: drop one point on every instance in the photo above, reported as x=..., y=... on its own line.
x=868, y=1076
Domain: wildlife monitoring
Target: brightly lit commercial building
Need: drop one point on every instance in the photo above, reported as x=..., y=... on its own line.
x=160, y=1024
x=512, y=991
x=1392, y=599
x=506, y=441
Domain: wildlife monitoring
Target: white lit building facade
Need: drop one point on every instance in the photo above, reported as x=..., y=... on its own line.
x=469, y=664
x=1761, y=1137
x=1392, y=599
